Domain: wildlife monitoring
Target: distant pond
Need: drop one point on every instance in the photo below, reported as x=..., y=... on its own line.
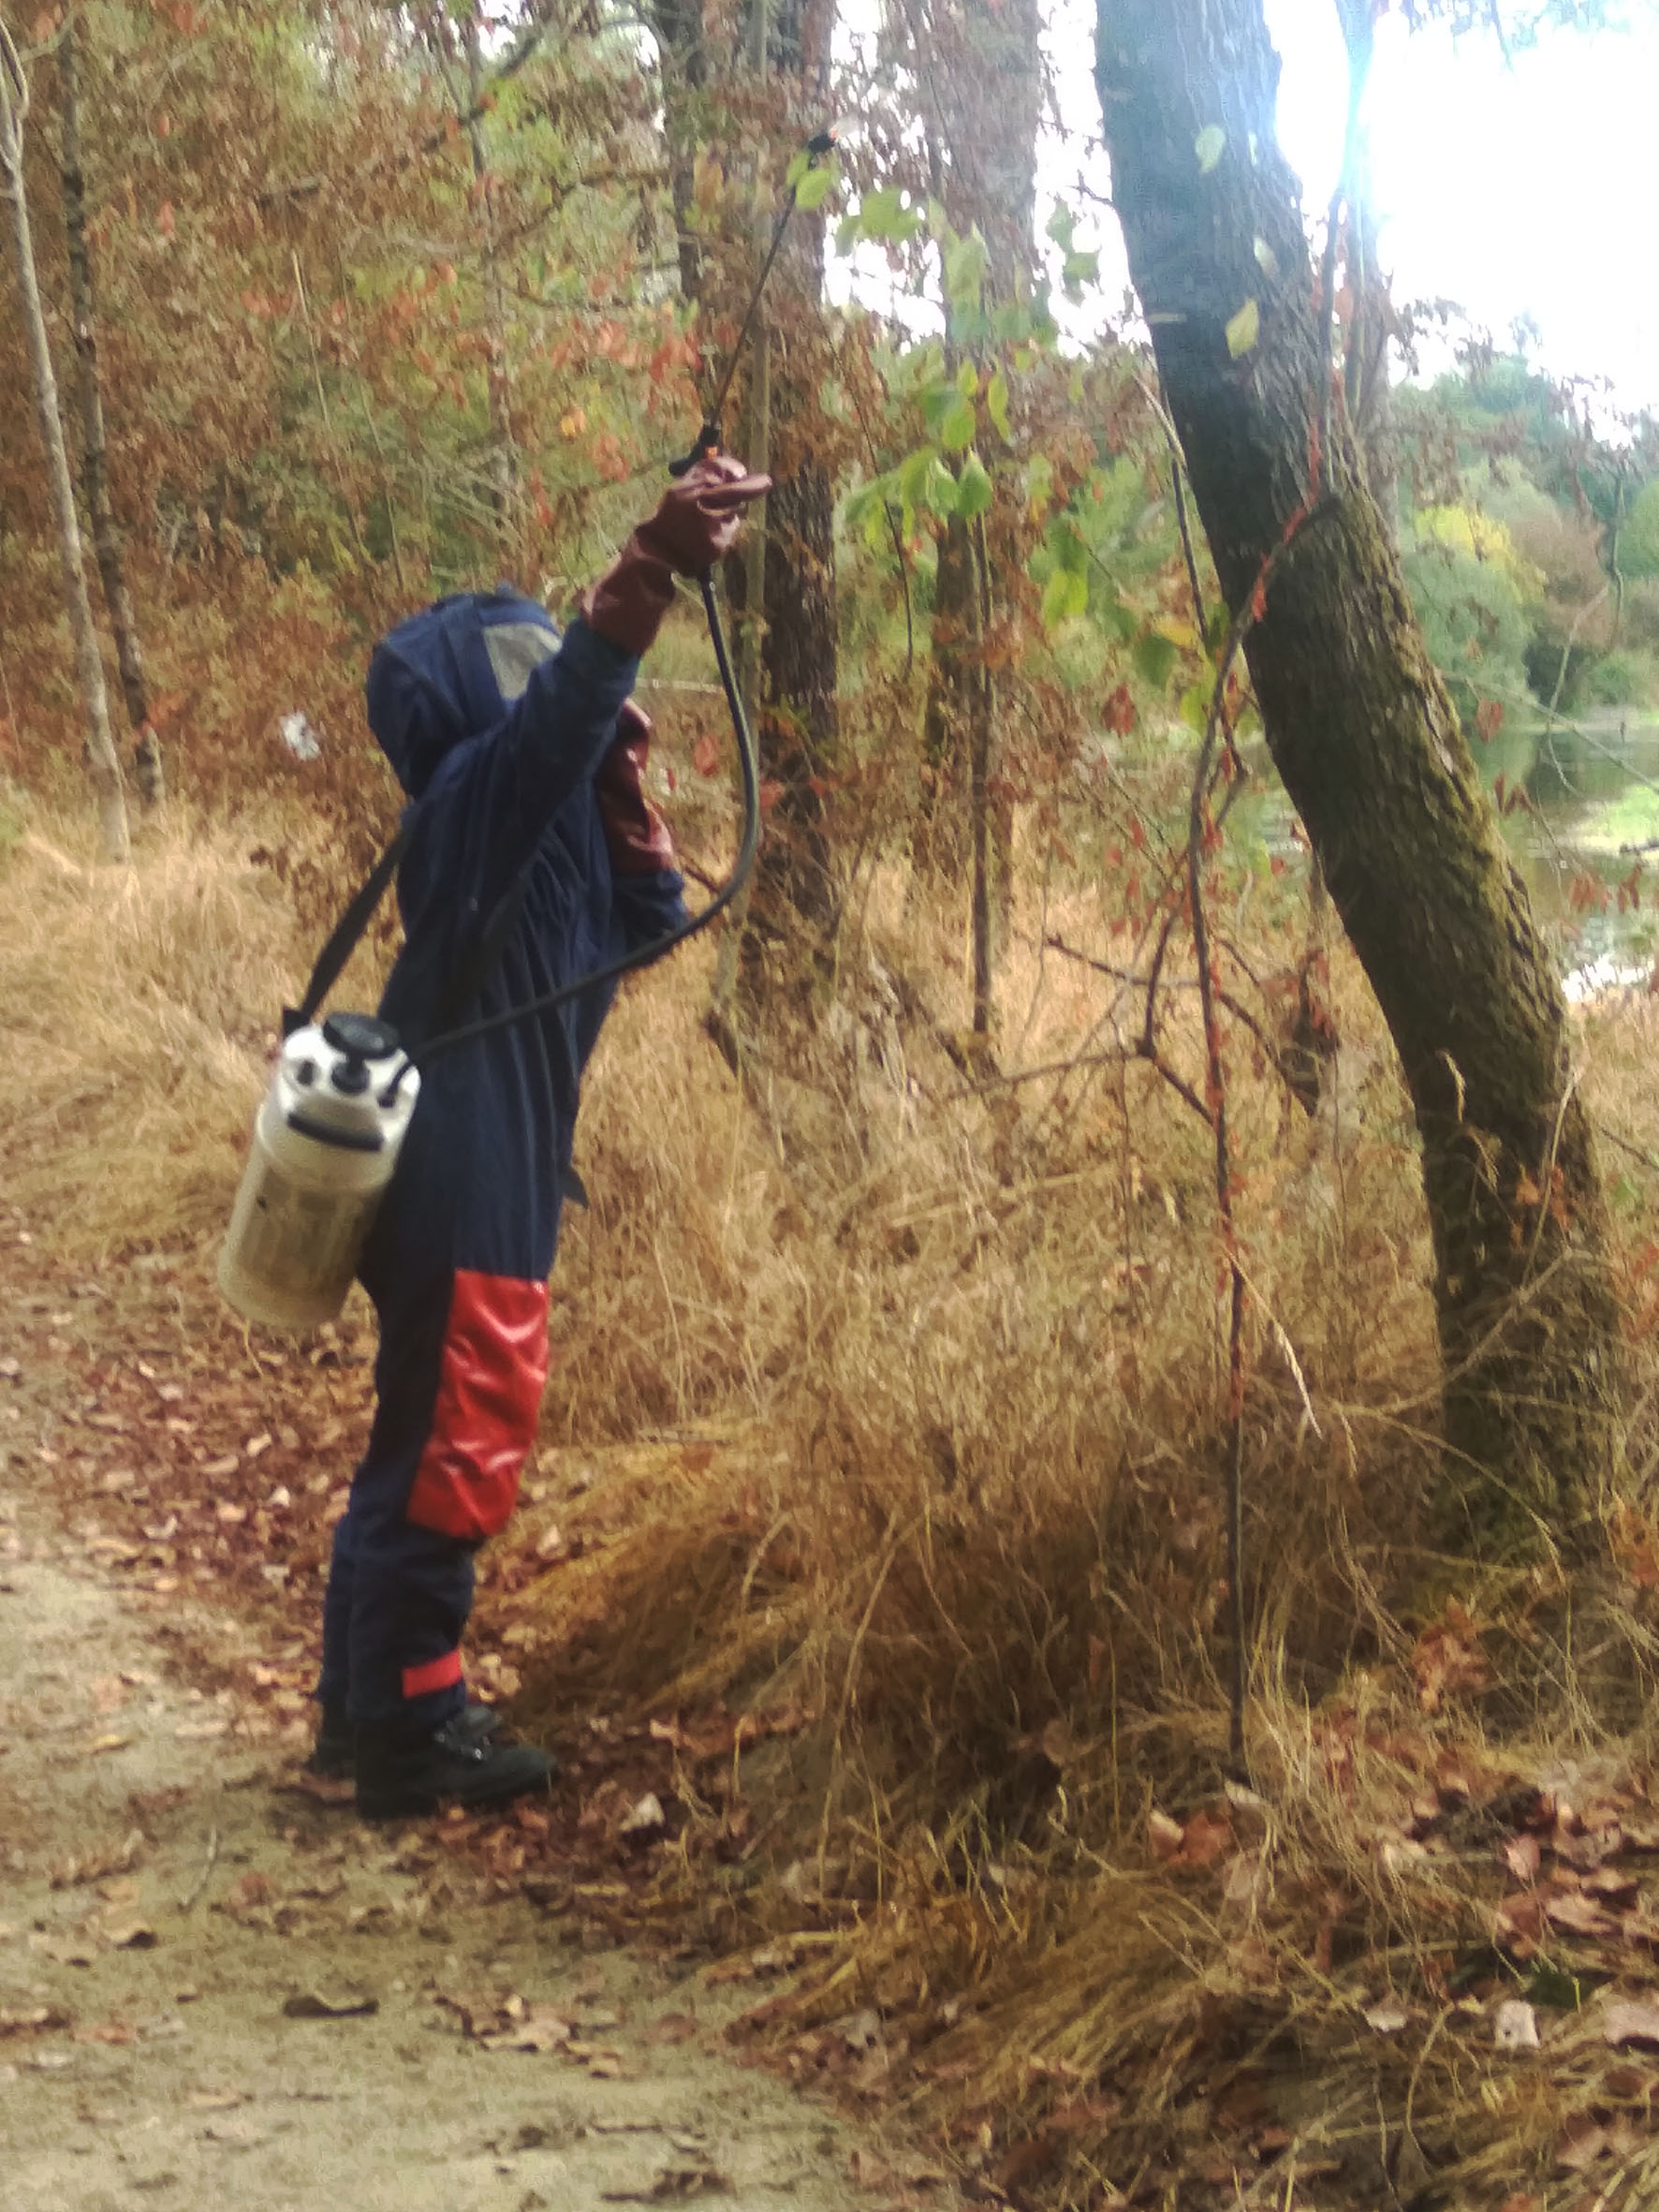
x=1592, y=787
x=1592, y=792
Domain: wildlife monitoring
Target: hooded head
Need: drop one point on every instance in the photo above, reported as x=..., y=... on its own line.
x=451, y=673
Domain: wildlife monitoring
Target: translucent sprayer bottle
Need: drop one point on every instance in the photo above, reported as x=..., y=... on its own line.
x=326, y=1141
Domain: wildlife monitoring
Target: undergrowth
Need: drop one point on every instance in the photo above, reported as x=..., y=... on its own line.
x=936, y=1359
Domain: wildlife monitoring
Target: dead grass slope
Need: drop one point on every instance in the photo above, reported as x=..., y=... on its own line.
x=885, y=1414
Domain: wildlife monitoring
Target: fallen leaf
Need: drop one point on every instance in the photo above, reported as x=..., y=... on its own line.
x=1164, y=1835
x=1205, y=1839
x=1578, y=1914
x=644, y=1819
x=1388, y=2017
x=1515, y=2026
x=311, y=2004
x=1522, y=1856
x=1633, y=2020
x=1583, y=2140
x=135, y=1935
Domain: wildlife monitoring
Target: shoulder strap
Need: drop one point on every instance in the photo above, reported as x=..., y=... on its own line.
x=470, y=976
x=344, y=935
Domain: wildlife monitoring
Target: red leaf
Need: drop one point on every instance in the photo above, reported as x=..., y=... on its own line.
x=163, y=220
x=705, y=754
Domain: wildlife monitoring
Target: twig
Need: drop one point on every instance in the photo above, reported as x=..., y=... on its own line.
x=187, y=1902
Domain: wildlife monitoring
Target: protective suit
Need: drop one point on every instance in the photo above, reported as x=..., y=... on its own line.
x=523, y=788
x=532, y=858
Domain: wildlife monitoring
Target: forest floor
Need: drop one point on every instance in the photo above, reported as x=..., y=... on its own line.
x=214, y=1980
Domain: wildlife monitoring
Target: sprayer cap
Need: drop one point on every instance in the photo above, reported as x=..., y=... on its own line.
x=361, y=1037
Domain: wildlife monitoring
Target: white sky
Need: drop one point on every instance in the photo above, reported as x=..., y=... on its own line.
x=1530, y=190
x=1526, y=190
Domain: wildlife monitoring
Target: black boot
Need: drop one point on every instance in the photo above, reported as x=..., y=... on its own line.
x=398, y=1775
x=333, y=1755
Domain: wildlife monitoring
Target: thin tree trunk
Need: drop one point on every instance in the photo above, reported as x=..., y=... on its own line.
x=147, y=763
x=1371, y=751
x=800, y=722
x=103, y=764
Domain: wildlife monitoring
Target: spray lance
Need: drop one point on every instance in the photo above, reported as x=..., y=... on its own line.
x=329, y=1130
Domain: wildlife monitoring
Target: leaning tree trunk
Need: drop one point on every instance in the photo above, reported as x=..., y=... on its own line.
x=102, y=761
x=1373, y=756
x=106, y=537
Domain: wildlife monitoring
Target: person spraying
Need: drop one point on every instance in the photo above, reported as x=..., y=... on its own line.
x=531, y=859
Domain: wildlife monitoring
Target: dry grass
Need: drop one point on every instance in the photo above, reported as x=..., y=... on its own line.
x=933, y=1366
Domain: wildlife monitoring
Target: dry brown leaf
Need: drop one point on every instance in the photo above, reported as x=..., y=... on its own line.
x=1578, y=1914
x=1583, y=2140
x=1523, y=1855
x=1205, y=1839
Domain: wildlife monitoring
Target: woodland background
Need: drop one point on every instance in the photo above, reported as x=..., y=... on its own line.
x=905, y=1357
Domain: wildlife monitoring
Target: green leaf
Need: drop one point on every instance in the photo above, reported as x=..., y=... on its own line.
x=957, y=428
x=939, y=490
x=1193, y=709
x=1243, y=329
x=1209, y=145
x=1068, y=547
x=1077, y=270
x=814, y=189
x=966, y=261
x=879, y=212
x=974, y=489
x=967, y=381
x=1155, y=656
x=798, y=168
x=1039, y=482
x=1122, y=621
x=1061, y=222
x=1064, y=597
x=996, y=404
x=1265, y=260
x=913, y=473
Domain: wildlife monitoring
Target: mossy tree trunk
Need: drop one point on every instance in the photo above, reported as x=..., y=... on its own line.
x=1371, y=753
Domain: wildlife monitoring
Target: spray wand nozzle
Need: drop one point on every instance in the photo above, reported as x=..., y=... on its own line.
x=816, y=149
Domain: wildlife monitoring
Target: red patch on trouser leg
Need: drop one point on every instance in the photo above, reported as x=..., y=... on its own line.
x=496, y=1364
x=435, y=1675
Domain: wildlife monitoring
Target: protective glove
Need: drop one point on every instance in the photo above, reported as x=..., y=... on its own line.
x=635, y=832
x=696, y=525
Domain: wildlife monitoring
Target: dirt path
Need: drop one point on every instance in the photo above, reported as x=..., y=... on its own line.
x=217, y=1983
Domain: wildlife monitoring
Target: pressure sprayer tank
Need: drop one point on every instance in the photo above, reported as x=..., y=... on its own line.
x=326, y=1141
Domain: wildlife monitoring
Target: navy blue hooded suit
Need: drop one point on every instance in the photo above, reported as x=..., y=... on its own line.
x=506, y=739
